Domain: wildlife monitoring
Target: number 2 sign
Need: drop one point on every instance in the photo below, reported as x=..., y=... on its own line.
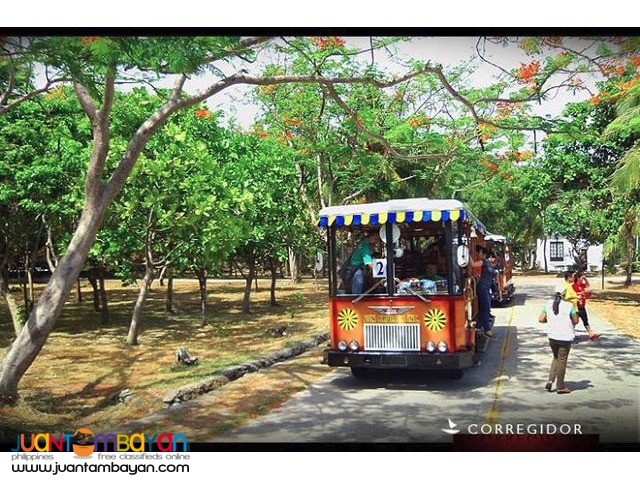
x=379, y=268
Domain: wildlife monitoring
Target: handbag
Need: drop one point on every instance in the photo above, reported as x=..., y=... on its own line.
x=346, y=272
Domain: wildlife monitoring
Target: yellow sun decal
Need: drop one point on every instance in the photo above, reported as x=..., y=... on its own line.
x=347, y=319
x=435, y=319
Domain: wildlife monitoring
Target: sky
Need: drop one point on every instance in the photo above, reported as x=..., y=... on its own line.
x=448, y=51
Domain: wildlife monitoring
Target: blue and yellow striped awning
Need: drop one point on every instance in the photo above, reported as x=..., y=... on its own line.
x=396, y=211
x=390, y=217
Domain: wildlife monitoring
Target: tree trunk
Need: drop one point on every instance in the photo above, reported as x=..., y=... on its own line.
x=93, y=280
x=246, y=301
x=294, y=266
x=30, y=290
x=202, y=283
x=544, y=254
x=52, y=258
x=534, y=259
x=43, y=317
x=134, y=327
x=163, y=272
x=274, y=274
x=104, y=304
x=168, y=304
x=25, y=295
x=132, y=337
x=17, y=317
x=79, y=290
x=630, y=256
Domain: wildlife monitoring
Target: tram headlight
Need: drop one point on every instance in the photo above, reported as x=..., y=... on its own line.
x=431, y=346
x=442, y=347
x=353, y=345
x=342, y=345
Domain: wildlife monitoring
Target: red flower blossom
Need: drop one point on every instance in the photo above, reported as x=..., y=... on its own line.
x=327, y=42
x=527, y=72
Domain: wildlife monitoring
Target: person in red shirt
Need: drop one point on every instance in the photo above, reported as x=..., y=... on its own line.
x=582, y=289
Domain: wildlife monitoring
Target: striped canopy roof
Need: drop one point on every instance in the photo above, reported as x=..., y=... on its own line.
x=396, y=211
x=497, y=238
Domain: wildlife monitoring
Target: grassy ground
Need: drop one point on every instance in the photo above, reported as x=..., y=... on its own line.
x=618, y=304
x=84, y=362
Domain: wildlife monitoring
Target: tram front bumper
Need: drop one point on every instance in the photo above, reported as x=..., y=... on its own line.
x=414, y=360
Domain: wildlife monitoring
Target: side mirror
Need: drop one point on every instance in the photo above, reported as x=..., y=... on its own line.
x=395, y=233
x=462, y=256
x=319, y=261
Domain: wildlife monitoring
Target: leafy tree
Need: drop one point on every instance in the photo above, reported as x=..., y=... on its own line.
x=626, y=179
x=273, y=217
x=40, y=171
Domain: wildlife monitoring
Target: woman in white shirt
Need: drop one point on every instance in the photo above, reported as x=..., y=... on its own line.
x=561, y=316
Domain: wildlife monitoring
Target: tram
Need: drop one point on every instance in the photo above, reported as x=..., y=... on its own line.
x=502, y=247
x=402, y=286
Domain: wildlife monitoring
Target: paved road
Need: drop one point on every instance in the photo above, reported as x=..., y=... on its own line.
x=508, y=388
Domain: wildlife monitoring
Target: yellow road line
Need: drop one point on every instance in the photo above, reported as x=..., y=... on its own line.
x=492, y=414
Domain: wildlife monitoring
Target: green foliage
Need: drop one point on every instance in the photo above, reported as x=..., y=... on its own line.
x=41, y=171
x=212, y=192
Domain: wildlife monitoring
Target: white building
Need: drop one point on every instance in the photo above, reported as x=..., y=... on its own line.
x=560, y=255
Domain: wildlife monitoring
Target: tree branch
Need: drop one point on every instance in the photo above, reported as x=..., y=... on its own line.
x=388, y=148
x=86, y=102
x=28, y=96
x=177, y=87
x=353, y=195
x=109, y=92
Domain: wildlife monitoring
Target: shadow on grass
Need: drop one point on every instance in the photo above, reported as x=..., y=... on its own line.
x=619, y=297
x=84, y=362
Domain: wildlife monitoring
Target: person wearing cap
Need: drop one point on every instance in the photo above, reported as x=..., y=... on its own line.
x=560, y=317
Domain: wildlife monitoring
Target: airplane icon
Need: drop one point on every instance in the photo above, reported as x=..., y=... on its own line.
x=452, y=428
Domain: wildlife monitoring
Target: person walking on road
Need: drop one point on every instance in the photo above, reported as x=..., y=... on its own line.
x=582, y=288
x=483, y=290
x=561, y=317
x=570, y=294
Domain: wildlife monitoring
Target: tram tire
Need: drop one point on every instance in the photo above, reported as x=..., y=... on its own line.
x=359, y=372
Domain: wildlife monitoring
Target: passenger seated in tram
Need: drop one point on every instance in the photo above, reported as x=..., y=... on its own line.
x=428, y=282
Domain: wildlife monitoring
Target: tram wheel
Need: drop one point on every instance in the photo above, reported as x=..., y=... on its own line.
x=359, y=372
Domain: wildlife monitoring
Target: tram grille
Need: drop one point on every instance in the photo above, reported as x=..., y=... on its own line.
x=392, y=337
